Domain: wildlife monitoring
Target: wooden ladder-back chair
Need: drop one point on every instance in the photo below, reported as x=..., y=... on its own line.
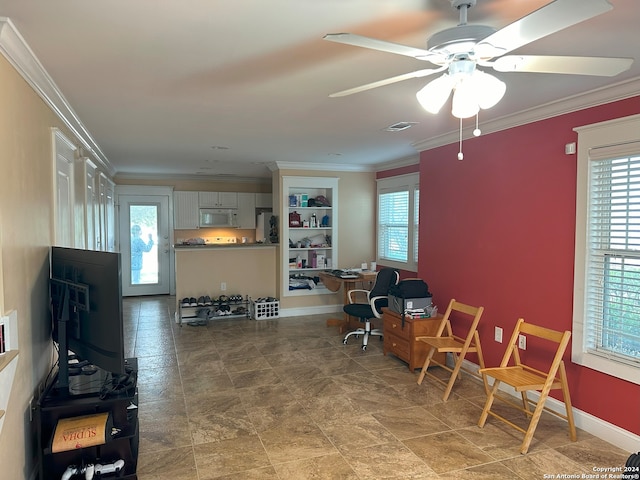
x=525, y=378
x=445, y=341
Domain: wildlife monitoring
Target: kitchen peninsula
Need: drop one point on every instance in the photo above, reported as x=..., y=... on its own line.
x=247, y=269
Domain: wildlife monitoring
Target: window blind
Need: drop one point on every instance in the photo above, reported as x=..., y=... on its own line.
x=393, y=214
x=613, y=264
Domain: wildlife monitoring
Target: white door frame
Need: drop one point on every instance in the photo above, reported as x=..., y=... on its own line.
x=141, y=191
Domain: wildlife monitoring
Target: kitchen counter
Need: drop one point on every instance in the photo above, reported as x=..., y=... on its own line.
x=227, y=269
x=197, y=246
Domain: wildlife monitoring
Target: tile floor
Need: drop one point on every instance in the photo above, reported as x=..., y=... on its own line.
x=285, y=399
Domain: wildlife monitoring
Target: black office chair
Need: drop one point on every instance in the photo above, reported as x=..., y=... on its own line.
x=376, y=298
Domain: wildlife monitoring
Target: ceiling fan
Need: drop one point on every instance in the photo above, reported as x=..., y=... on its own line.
x=463, y=48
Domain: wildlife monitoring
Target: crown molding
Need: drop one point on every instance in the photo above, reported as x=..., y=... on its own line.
x=401, y=162
x=192, y=177
x=16, y=50
x=593, y=98
x=324, y=167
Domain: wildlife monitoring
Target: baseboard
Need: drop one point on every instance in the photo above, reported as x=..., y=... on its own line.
x=606, y=431
x=317, y=310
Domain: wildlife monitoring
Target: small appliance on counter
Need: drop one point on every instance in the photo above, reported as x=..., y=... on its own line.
x=208, y=241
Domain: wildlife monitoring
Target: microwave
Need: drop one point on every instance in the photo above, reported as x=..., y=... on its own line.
x=218, y=217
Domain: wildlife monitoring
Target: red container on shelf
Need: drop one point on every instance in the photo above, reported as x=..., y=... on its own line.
x=294, y=219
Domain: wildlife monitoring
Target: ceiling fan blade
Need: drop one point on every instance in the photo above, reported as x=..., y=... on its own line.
x=375, y=44
x=388, y=81
x=600, y=66
x=549, y=19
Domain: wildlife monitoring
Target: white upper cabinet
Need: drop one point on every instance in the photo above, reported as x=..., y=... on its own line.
x=218, y=199
x=246, y=210
x=185, y=210
x=264, y=200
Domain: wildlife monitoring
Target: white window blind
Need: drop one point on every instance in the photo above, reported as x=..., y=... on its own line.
x=398, y=216
x=612, y=307
x=393, y=226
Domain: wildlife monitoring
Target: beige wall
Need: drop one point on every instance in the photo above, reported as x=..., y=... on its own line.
x=356, y=227
x=26, y=197
x=26, y=215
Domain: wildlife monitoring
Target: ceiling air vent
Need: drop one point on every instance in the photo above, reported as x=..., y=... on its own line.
x=398, y=127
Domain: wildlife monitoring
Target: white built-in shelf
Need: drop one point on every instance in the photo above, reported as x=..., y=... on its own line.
x=294, y=191
x=5, y=358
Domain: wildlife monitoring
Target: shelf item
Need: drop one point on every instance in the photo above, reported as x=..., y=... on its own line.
x=310, y=227
x=81, y=432
x=118, y=443
x=234, y=306
x=265, y=309
x=400, y=337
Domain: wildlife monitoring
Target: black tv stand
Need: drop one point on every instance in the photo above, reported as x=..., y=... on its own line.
x=84, y=398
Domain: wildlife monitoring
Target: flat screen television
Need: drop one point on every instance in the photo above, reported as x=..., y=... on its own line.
x=86, y=306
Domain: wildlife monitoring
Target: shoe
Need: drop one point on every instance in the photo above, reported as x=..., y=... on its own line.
x=207, y=301
x=185, y=302
x=193, y=302
x=197, y=323
x=201, y=301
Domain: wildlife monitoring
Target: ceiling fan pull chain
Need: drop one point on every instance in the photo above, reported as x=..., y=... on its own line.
x=460, y=154
x=477, y=132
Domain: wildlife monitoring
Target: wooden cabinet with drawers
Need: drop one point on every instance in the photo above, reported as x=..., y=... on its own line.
x=401, y=340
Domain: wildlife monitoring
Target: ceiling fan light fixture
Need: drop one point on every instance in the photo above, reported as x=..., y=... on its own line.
x=489, y=89
x=465, y=103
x=435, y=93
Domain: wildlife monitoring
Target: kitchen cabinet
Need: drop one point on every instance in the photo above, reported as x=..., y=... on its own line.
x=264, y=200
x=218, y=199
x=308, y=246
x=246, y=216
x=185, y=210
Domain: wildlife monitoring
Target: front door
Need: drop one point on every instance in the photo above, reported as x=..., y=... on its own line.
x=144, y=244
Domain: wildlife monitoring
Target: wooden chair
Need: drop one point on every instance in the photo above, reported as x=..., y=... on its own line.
x=525, y=378
x=445, y=341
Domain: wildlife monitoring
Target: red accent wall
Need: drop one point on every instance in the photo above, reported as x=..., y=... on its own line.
x=497, y=229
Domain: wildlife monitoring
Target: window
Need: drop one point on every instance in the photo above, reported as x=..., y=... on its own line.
x=607, y=281
x=398, y=201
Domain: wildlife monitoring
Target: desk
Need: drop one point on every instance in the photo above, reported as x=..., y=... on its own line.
x=400, y=337
x=334, y=284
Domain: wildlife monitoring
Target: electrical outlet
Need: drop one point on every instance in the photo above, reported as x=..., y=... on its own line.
x=223, y=286
x=498, y=335
x=522, y=342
